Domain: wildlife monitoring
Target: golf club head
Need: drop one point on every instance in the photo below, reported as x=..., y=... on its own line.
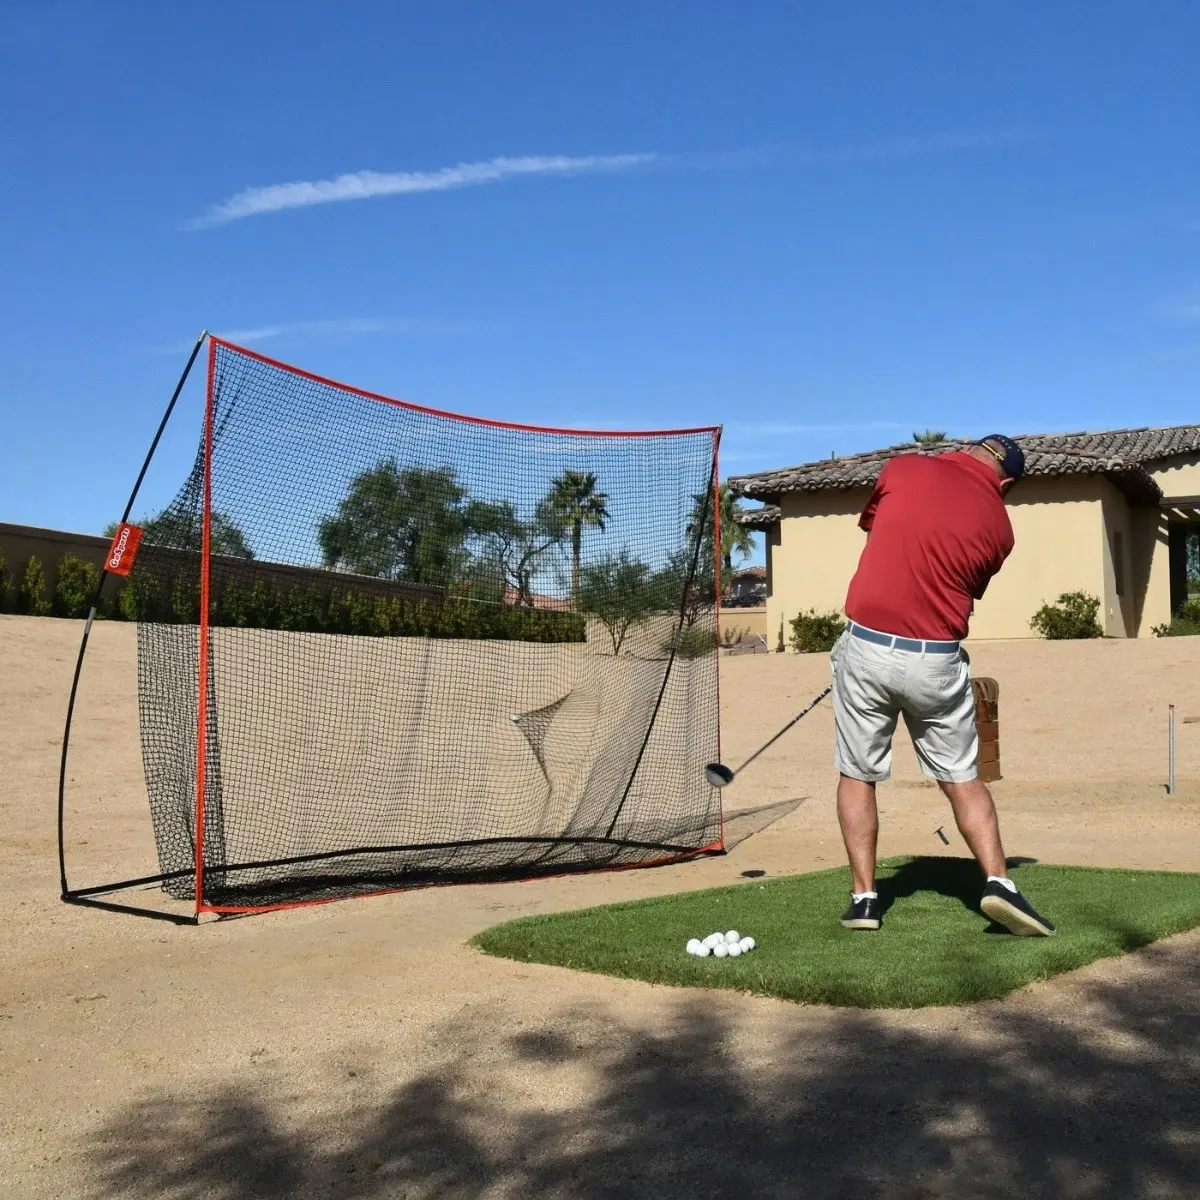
x=718, y=774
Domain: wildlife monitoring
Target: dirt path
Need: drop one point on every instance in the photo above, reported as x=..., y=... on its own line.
x=360, y=1050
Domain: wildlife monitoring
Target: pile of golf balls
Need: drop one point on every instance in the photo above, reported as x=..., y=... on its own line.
x=721, y=945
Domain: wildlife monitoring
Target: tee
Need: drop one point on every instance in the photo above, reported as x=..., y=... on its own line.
x=937, y=531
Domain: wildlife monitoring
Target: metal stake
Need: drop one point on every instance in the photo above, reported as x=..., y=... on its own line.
x=1171, y=750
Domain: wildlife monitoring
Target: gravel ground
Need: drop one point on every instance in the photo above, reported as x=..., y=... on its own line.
x=360, y=1050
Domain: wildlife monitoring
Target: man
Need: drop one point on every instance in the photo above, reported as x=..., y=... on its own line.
x=937, y=531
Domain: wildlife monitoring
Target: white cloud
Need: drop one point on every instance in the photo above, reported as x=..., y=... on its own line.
x=344, y=327
x=337, y=327
x=362, y=185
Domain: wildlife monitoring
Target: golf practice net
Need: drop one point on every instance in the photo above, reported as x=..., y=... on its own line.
x=381, y=646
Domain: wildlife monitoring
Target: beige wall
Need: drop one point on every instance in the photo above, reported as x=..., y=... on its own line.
x=1058, y=529
x=751, y=621
x=815, y=554
x=1179, y=477
x=1152, y=575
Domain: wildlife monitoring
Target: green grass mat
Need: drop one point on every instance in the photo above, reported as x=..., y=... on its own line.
x=935, y=946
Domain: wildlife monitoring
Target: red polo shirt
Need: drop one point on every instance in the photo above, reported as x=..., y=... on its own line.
x=937, y=531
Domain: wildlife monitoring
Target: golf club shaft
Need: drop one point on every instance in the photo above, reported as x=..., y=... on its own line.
x=802, y=713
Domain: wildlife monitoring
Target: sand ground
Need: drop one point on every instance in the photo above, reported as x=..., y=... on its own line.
x=361, y=1050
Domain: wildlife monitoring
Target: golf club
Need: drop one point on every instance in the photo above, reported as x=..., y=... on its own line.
x=718, y=774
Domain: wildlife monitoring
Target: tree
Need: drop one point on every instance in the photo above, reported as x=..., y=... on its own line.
x=398, y=522
x=574, y=498
x=182, y=531
x=620, y=593
x=929, y=438
x=512, y=549
x=735, y=537
x=675, y=595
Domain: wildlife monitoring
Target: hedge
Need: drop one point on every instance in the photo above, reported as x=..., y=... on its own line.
x=149, y=597
x=265, y=605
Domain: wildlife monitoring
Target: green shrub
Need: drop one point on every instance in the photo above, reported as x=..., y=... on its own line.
x=691, y=642
x=316, y=609
x=1072, y=616
x=1185, y=622
x=814, y=632
x=33, y=589
x=76, y=585
x=4, y=584
x=139, y=599
x=732, y=634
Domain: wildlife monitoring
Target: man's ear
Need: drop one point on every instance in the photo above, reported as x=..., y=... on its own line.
x=1005, y=484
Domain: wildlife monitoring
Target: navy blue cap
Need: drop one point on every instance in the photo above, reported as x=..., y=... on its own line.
x=1008, y=454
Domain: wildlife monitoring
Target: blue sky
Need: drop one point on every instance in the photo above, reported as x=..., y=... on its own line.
x=823, y=226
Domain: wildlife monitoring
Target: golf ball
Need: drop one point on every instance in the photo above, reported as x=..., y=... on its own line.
x=704, y=951
x=732, y=937
x=713, y=939
x=734, y=949
x=693, y=946
x=720, y=950
x=747, y=944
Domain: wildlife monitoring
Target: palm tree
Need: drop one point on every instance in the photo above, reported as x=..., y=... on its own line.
x=574, y=499
x=735, y=537
x=929, y=437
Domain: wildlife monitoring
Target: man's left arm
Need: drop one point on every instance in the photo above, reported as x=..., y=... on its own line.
x=867, y=517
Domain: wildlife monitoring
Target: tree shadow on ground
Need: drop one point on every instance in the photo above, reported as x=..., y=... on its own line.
x=1095, y=1098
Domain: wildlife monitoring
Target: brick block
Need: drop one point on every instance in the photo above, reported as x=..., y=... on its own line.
x=989, y=731
x=989, y=772
x=989, y=752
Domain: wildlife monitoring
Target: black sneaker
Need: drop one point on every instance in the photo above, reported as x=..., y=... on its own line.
x=1014, y=912
x=862, y=914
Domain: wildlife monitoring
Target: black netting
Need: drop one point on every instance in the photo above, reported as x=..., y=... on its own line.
x=439, y=649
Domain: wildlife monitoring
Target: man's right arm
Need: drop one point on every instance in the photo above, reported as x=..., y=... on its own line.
x=1000, y=553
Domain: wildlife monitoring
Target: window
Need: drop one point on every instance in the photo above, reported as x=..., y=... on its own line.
x=1118, y=556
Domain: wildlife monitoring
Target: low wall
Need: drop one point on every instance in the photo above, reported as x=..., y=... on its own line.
x=752, y=620
x=20, y=543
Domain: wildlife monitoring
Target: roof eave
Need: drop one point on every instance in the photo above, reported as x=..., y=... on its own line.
x=1137, y=485
x=759, y=518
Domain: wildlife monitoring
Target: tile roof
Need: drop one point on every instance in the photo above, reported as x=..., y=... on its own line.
x=758, y=518
x=1120, y=454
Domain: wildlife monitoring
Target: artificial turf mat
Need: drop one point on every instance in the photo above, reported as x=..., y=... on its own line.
x=935, y=946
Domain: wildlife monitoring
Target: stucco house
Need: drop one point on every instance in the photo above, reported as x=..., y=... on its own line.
x=748, y=589
x=1115, y=513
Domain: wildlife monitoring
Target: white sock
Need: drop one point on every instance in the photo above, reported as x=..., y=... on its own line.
x=857, y=896
x=1004, y=879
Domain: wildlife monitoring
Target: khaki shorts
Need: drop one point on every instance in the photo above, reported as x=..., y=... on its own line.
x=873, y=685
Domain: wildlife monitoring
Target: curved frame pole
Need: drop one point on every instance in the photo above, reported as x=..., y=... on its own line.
x=87, y=629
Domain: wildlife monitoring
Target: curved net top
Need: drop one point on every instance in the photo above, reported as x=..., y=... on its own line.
x=380, y=645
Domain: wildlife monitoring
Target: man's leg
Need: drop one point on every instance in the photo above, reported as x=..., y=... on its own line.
x=864, y=722
x=858, y=816
x=940, y=713
x=975, y=815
